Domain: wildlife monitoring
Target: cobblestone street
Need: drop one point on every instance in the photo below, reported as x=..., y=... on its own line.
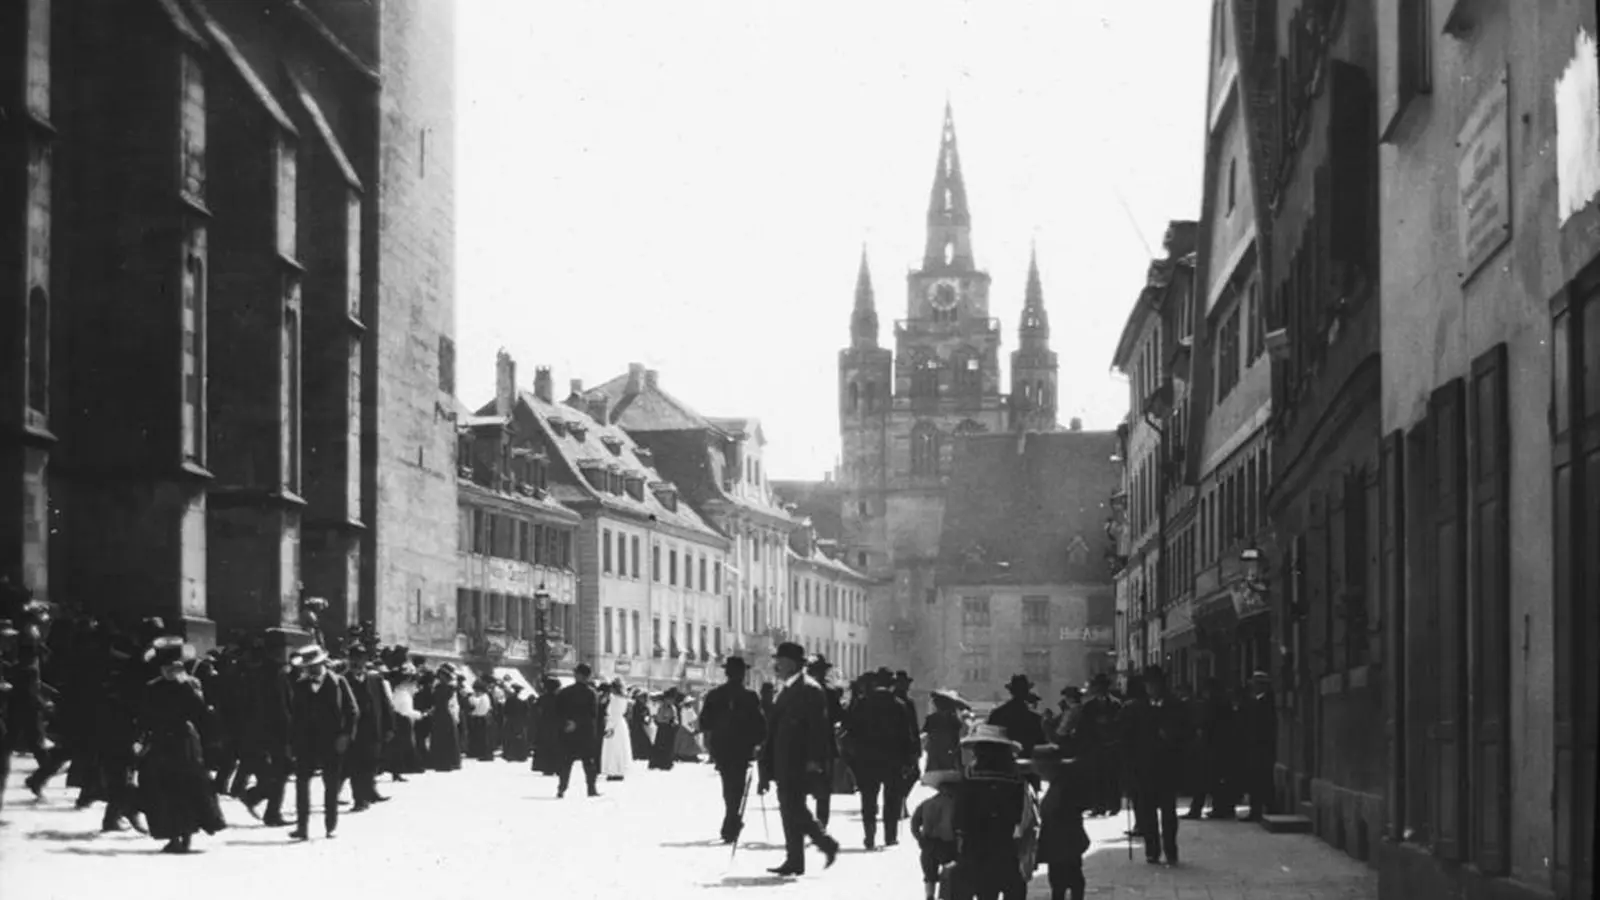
x=495, y=826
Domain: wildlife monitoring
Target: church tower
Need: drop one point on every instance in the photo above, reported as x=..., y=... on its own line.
x=1033, y=363
x=866, y=373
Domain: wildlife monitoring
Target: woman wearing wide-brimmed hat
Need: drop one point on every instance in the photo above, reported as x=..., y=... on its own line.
x=1062, y=838
x=942, y=731
x=175, y=791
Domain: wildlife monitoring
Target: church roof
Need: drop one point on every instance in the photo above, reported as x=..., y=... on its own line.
x=1029, y=508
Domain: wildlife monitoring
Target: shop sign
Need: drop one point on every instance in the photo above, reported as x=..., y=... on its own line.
x=622, y=666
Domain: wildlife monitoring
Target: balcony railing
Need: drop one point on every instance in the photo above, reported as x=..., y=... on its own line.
x=960, y=326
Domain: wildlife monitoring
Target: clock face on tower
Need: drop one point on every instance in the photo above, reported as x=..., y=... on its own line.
x=943, y=295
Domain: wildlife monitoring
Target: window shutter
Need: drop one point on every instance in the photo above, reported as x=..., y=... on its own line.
x=1392, y=544
x=1491, y=607
x=1446, y=410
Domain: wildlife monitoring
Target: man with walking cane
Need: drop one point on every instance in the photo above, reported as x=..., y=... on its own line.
x=734, y=726
x=793, y=756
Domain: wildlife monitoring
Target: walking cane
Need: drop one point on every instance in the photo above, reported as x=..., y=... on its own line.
x=744, y=800
x=1127, y=797
x=766, y=832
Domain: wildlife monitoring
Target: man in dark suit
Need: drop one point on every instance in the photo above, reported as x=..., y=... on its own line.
x=817, y=669
x=1258, y=718
x=373, y=729
x=1017, y=717
x=734, y=726
x=1097, y=733
x=323, y=723
x=577, y=709
x=885, y=735
x=1157, y=731
x=798, y=736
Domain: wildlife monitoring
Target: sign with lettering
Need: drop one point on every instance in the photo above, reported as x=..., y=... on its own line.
x=1092, y=634
x=622, y=666
x=694, y=673
x=1483, y=179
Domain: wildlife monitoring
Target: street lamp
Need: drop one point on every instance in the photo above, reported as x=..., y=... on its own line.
x=541, y=631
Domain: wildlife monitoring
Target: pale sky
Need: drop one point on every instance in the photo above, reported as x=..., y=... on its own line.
x=688, y=185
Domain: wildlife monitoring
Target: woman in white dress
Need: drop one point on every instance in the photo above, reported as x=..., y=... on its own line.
x=616, y=750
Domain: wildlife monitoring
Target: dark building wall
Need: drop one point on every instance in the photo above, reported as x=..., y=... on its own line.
x=1325, y=397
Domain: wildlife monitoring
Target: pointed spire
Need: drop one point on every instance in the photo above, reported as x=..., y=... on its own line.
x=864, y=319
x=1035, y=328
x=949, y=244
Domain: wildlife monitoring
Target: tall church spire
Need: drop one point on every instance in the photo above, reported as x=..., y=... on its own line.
x=1034, y=333
x=864, y=318
x=949, y=222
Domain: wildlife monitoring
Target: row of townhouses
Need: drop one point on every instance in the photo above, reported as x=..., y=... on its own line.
x=1360, y=454
x=619, y=527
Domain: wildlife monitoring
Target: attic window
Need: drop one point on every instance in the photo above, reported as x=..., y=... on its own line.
x=644, y=456
x=614, y=481
x=666, y=495
x=578, y=431
x=558, y=425
x=613, y=444
x=635, y=487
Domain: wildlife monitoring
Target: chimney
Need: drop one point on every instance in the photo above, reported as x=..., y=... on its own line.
x=1076, y=424
x=635, y=379
x=598, y=408
x=650, y=380
x=505, y=384
x=542, y=387
x=577, y=387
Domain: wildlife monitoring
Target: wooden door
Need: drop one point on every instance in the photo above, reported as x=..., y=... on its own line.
x=1446, y=409
x=1490, y=625
x=1575, y=428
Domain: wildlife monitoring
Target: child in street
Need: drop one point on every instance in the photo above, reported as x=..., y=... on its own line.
x=933, y=824
x=1062, y=839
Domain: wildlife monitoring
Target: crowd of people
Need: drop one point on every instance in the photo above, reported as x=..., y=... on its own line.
x=157, y=733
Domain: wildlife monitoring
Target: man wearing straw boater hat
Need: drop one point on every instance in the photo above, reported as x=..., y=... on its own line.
x=798, y=735
x=323, y=724
x=734, y=726
x=996, y=819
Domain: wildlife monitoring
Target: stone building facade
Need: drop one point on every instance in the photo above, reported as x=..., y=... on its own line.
x=516, y=581
x=1490, y=338
x=902, y=413
x=828, y=604
x=652, y=582
x=1024, y=574
x=1149, y=515
x=1227, y=452
x=719, y=465
x=256, y=198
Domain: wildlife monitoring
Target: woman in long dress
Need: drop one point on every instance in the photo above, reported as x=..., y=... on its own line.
x=515, y=746
x=640, y=735
x=616, y=748
x=943, y=731
x=175, y=791
x=403, y=755
x=664, y=752
x=688, y=739
x=444, y=747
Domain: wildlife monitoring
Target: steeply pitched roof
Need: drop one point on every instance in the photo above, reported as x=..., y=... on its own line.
x=593, y=449
x=826, y=563
x=817, y=500
x=1029, y=509
x=648, y=409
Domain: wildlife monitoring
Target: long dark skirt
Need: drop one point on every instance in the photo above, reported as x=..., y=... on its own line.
x=175, y=792
x=444, y=753
x=478, y=746
x=400, y=757
x=515, y=746
x=639, y=739
x=664, y=753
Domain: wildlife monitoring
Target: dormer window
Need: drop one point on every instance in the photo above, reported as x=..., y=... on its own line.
x=635, y=486
x=558, y=425
x=644, y=456
x=614, y=480
x=666, y=494
x=613, y=443
x=579, y=430
x=594, y=473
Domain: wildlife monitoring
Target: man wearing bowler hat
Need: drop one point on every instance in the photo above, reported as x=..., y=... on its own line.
x=734, y=725
x=796, y=750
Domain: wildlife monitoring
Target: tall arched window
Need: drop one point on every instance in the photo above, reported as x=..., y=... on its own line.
x=949, y=252
x=872, y=396
x=925, y=449
x=855, y=397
